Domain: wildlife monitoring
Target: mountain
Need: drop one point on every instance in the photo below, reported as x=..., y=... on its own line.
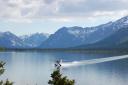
x=74, y=36
x=116, y=40
x=109, y=35
x=34, y=40
x=67, y=37
x=124, y=45
x=119, y=39
x=9, y=40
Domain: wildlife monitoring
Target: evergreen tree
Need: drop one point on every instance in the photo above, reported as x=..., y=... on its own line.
x=7, y=82
x=2, y=67
x=58, y=79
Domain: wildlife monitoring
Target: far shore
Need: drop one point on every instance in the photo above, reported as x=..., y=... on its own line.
x=125, y=51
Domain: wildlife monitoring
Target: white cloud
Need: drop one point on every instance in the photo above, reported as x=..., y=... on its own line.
x=61, y=10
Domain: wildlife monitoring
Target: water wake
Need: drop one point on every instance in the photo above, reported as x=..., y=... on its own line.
x=92, y=61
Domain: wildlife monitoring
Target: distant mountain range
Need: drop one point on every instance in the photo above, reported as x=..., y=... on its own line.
x=106, y=36
x=117, y=40
x=103, y=36
x=9, y=40
x=67, y=37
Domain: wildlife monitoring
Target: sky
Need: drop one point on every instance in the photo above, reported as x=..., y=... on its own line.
x=47, y=16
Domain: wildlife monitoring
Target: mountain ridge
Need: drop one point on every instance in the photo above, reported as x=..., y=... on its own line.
x=10, y=40
x=104, y=35
x=67, y=37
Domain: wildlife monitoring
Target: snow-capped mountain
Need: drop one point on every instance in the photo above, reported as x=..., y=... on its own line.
x=118, y=39
x=34, y=40
x=9, y=40
x=67, y=37
x=74, y=36
x=111, y=34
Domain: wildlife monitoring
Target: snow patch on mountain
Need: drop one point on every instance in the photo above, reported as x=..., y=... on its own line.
x=34, y=40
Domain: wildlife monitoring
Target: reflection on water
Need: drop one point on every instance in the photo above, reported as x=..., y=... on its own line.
x=31, y=68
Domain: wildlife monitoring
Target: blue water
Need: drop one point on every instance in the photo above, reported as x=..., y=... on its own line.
x=34, y=68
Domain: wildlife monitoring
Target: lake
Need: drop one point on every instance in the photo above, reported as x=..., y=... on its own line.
x=35, y=67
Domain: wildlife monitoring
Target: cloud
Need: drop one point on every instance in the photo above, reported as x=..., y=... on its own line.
x=61, y=9
x=84, y=7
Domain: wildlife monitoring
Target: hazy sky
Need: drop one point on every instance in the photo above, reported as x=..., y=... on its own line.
x=30, y=16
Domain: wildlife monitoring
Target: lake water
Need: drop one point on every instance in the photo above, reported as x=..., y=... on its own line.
x=34, y=68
